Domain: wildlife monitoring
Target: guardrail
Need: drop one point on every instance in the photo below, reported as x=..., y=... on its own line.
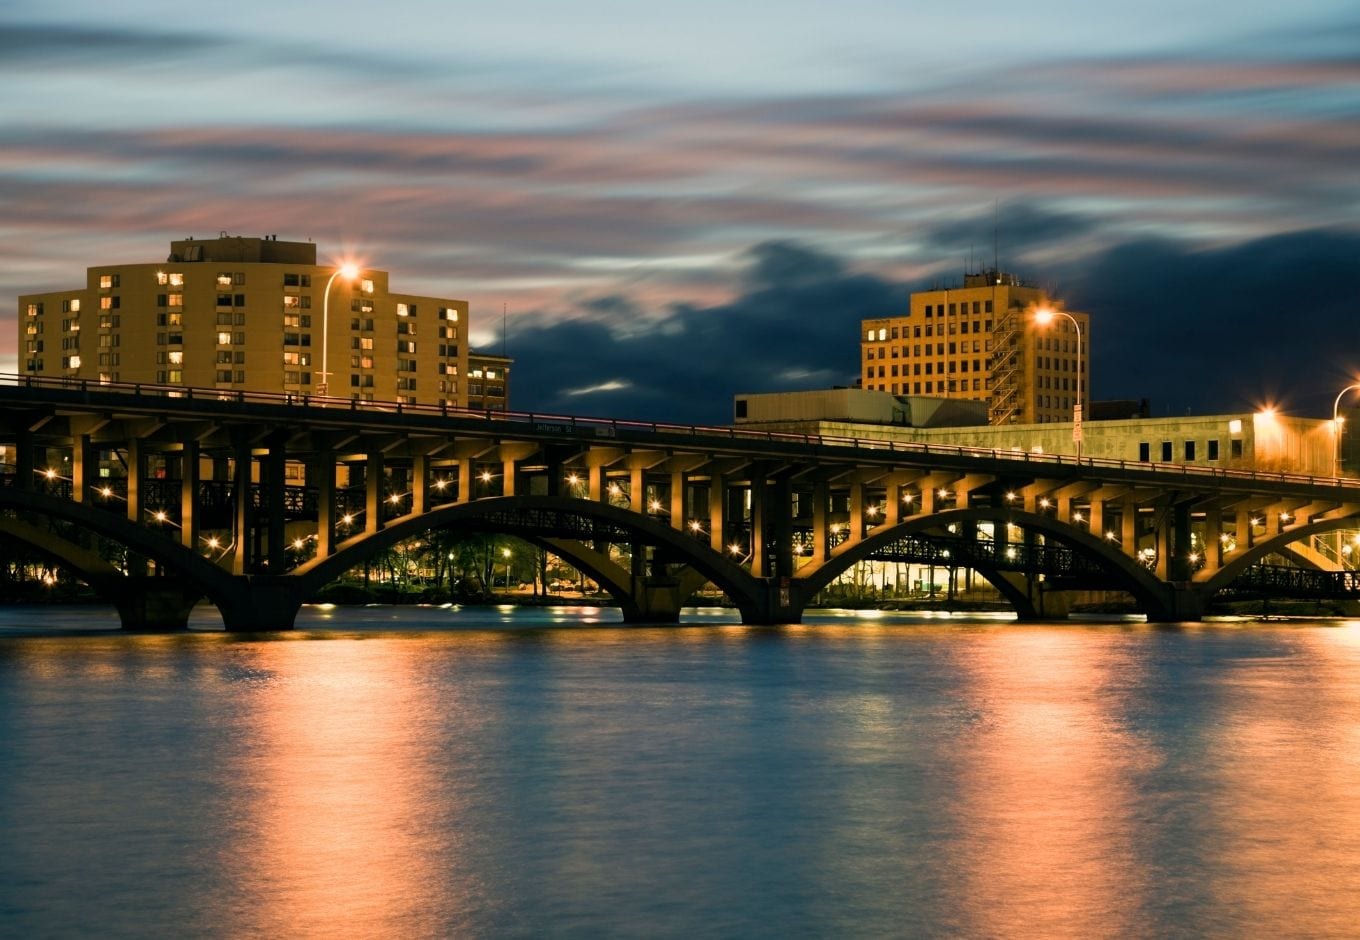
x=610, y=427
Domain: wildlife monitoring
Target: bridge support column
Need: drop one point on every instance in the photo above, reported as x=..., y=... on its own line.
x=373, y=481
x=273, y=493
x=321, y=474
x=760, y=518
x=152, y=605
x=261, y=603
x=820, y=533
x=188, y=495
x=420, y=481
x=136, y=468
x=717, y=512
x=80, y=466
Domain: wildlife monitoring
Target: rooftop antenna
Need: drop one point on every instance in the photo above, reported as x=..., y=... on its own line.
x=504, y=320
x=996, y=241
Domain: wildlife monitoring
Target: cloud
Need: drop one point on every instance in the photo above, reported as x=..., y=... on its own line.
x=1224, y=328
x=793, y=324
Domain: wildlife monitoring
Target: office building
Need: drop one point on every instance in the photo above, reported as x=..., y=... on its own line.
x=982, y=342
x=253, y=314
x=488, y=382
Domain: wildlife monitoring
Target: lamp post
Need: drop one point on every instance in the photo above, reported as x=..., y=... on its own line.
x=506, y=554
x=1043, y=317
x=349, y=272
x=1337, y=422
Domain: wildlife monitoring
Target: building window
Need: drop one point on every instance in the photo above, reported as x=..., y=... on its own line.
x=1144, y=451
x=1190, y=450
x=1166, y=452
x=1212, y=449
x=1236, y=449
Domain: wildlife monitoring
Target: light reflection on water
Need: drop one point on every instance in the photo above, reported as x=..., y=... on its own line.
x=404, y=773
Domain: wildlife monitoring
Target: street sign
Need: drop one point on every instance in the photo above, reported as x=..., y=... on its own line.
x=1076, y=423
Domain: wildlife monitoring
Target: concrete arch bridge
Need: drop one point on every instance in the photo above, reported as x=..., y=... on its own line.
x=209, y=493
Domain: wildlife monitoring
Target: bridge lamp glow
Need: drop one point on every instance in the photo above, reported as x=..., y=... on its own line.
x=440, y=484
x=1193, y=558
x=1111, y=536
x=654, y=505
x=347, y=519
x=213, y=542
x=395, y=498
x=615, y=489
x=485, y=476
x=871, y=511
x=1255, y=520
x=573, y=479
x=908, y=498
x=1078, y=517
x=696, y=526
x=1045, y=502
x=1345, y=549
x=942, y=493
x=298, y=543
x=1010, y=553
x=1285, y=517
x=1011, y=496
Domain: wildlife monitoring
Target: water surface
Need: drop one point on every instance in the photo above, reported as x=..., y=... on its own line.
x=427, y=772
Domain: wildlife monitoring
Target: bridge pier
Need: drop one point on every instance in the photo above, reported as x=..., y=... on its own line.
x=1185, y=603
x=653, y=600
x=261, y=603
x=151, y=605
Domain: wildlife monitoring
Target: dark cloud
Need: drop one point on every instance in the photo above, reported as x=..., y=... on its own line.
x=49, y=43
x=794, y=325
x=1018, y=226
x=1223, y=329
x=1193, y=329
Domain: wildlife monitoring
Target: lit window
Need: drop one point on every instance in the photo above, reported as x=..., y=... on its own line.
x=162, y=278
x=448, y=313
x=75, y=305
x=176, y=280
x=75, y=362
x=367, y=286
x=177, y=357
x=403, y=310
x=223, y=339
x=175, y=300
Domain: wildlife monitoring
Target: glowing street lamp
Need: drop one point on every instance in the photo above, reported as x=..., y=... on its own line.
x=349, y=272
x=1337, y=422
x=1043, y=317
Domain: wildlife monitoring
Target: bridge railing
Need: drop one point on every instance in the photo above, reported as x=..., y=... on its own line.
x=539, y=422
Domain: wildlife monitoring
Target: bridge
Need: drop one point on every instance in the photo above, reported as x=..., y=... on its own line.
x=158, y=497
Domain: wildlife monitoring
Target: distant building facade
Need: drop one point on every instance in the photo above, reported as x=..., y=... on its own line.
x=240, y=313
x=488, y=383
x=980, y=342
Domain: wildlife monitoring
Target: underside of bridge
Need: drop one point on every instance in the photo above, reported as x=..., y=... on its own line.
x=158, y=501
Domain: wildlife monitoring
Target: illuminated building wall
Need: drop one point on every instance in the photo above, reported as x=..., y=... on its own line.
x=247, y=314
x=980, y=342
x=488, y=382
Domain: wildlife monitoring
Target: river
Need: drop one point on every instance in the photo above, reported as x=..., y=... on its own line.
x=426, y=772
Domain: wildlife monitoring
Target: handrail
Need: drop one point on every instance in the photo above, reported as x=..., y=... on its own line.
x=614, y=425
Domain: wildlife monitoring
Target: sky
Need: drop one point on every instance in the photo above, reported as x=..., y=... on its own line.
x=654, y=209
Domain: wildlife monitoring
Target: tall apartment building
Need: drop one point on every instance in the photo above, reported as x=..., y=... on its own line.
x=981, y=342
x=239, y=313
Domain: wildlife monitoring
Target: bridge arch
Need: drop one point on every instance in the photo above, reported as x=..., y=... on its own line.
x=498, y=514
x=1147, y=590
x=1217, y=580
x=155, y=603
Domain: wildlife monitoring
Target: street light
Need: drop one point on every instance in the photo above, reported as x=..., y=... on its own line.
x=349, y=272
x=1043, y=317
x=1337, y=422
x=506, y=554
